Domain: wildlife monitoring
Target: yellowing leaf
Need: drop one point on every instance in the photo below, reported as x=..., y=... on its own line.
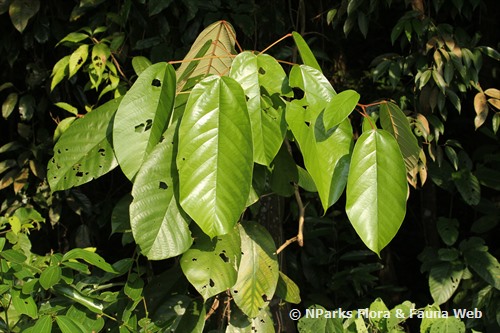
x=492, y=92
x=481, y=108
x=77, y=59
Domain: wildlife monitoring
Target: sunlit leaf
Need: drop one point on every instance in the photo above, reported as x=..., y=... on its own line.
x=159, y=225
x=305, y=52
x=90, y=257
x=258, y=272
x=376, y=189
x=50, y=276
x=143, y=116
x=77, y=59
x=211, y=265
x=74, y=37
x=24, y=304
x=84, y=151
x=255, y=74
x=481, y=108
x=322, y=323
x=492, y=92
x=68, y=325
x=215, y=157
x=339, y=108
x=42, y=325
x=9, y=104
x=287, y=289
x=60, y=70
x=140, y=64
x=444, y=279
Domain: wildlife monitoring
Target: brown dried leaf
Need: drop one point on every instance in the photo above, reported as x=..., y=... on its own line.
x=492, y=92
x=495, y=102
x=423, y=125
x=21, y=180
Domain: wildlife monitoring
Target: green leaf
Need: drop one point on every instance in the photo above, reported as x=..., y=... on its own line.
x=305, y=52
x=74, y=37
x=70, y=292
x=395, y=122
x=140, y=64
x=42, y=325
x=50, y=276
x=468, y=186
x=84, y=151
x=133, y=287
x=21, y=11
x=159, y=225
x=340, y=107
x=90, y=257
x=376, y=189
x=429, y=318
x=326, y=153
x=24, y=304
x=481, y=261
x=215, y=46
x=68, y=325
x=241, y=323
x=284, y=173
x=448, y=230
x=91, y=322
x=211, y=264
x=317, y=89
x=60, y=70
x=215, y=158
x=157, y=6
x=193, y=319
x=444, y=279
x=67, y=107
x=448, y=325
x=9, y=104
x=319, y=321
x=62, y=127
x=100, y=55
x=26, y=107
x=305, y=180
x=287, y=289
x=13, y=255
x=143, y=116
x=77, y=59
x=258, y=273
x=257, y=73
x=378, y=306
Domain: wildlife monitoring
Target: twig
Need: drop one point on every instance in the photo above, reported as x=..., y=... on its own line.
x=302, y=211
x=285, y=244
x=276, y=42
x=214, y=307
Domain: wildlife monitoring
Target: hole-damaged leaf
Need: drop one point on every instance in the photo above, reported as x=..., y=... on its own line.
x=88, y=153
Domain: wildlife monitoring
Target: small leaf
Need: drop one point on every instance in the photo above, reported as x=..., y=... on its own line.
x=448, y=230
x=9, y=104
x=452, y=156
x=70, y=292
x=13, y=255
x=340, y=107
x=140, y=64
x=24, y=304
x=468, y=186
x=21, y=11
x=133, y=287
x=89, y=257
x=50, y=276
x=495, y=122
x=492, y=92
x=287, y=289
x=42, y=325
x=305, y=52
x=60, y=70
x=258, y=273
x=481, y=261
x=62, y=127
x=376, y=189
x=77, y=59
x=494, y=102
x=481, y=108
x=74, y=37
x=67, y=107
x=68, y=325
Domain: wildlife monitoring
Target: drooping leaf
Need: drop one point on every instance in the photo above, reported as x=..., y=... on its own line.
x=287, y=289
x=77, y=59
x=9, y=104
x=21, y=11
x=215, y=158
x=444, y=279
x=60, y=70
x=159, y=225
x=255, y=74
x=211, y=265
x=305, y=52
x=481, y=108
x=339, y=107
x=376, y=189
x=143, y=116
x=258, y=273
x=395, y=122
x=84, y=151
x=216, y=43
x=326, y=153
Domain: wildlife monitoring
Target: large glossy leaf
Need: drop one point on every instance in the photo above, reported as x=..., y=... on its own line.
x=84, y=151
x=159, y=225
x=326, y=153
x=211, y=53
x=261, y=77
x=211, y=264
x=394, y=121
x=258, y=272
x=376, y=189
x=215, y=158
x=143, y=116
